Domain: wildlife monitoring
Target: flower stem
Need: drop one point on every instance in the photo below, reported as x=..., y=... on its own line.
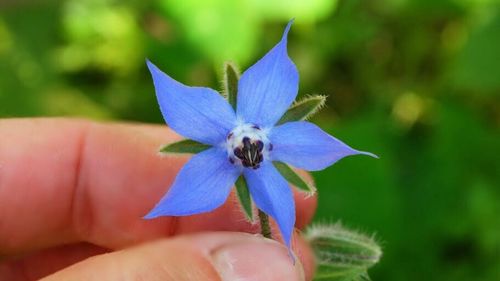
x=265, y=229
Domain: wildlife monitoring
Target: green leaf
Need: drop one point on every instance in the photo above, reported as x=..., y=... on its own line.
x=303, y=109
x=244, y=197
x=231, y=77
x=342, y=254
x=184, y=146
x=293, y=178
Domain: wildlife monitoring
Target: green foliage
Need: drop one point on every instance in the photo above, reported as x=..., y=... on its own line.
x=478, y=63
x=184, y=146
x=413, y=81
x=211, y=25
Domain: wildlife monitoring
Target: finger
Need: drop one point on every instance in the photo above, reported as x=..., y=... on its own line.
x=207, y=256
x=64, y=181
x=37, y=265
x=48, y=261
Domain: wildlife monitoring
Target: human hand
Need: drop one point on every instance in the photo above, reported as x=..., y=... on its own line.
x=74, y=192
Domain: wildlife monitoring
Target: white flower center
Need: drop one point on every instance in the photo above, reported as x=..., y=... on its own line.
x=248, y=145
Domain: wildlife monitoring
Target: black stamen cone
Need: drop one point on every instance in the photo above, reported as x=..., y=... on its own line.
x=260, y=145
x=250, y=154
x=239, y=153
x=246, y=143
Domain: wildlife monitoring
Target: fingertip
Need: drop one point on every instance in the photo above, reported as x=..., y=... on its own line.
x=205, y=256
x=304, y=254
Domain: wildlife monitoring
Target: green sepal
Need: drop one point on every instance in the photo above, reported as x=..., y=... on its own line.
x=231, y=77
x=303, y=109
x=292, y=177
x=342, y=254
x=184, y=146
x=244, y=197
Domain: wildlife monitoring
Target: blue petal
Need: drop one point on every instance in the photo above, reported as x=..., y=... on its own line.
x=304, y=145
x=268, y=88
x=202, y=185
x=196, y=113
x=272, y=194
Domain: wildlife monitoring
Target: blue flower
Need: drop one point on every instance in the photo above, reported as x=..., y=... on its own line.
x=243, y=142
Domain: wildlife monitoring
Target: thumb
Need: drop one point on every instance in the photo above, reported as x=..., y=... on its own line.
x=206, y=256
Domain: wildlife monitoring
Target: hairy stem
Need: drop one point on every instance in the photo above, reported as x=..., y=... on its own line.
x=265, y=229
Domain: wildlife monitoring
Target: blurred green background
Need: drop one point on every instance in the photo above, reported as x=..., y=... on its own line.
x=414, y=81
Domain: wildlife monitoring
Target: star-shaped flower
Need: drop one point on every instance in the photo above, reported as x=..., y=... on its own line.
x=245, y=142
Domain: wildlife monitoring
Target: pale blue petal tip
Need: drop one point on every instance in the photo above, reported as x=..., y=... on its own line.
x=292, y=256
x=268, y=88
x=150, y=216
x=287, y=29
x=196, y=113
x=272, y=194
x=154, y=213
x=306, y=146
x=198, y=187
x=368, y=154
x=150, y=65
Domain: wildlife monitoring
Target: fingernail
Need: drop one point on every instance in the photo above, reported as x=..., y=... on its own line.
x=256, y=260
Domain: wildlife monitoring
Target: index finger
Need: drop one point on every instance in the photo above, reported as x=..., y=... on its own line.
x=64, y=181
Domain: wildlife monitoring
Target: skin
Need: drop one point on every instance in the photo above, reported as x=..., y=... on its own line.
x=72, y=197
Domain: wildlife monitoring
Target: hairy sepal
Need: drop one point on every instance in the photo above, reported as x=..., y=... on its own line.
x=303, y=109
x=295, y=179
x=230, y=83
x=244, y=198
x=184, y=146
x=342, y=254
